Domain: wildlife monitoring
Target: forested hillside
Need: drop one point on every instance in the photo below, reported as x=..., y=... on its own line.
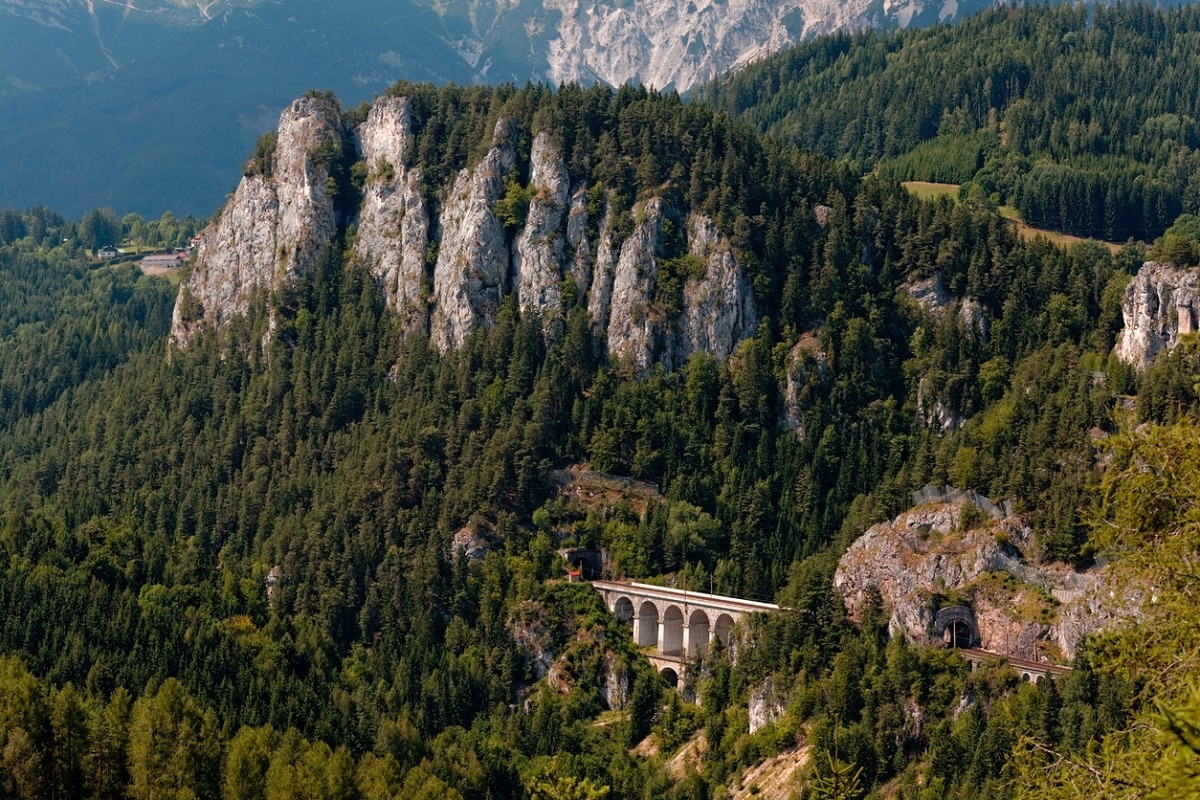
x=229, y=568
x=1084, y=118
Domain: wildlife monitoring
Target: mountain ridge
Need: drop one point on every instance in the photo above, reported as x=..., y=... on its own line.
x=127, y=92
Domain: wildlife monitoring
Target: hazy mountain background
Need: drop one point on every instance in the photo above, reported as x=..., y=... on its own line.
x=151, y=106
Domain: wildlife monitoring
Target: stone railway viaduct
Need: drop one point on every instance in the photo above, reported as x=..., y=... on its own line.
x=676, y=624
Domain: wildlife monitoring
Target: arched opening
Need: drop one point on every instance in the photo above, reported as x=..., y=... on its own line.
x=958, y=634
x=1038, y=679
x=957, y=627
x=623, y=609
x=724, y=630
x=672, y=632
x=670, y=677
x=697, y=633
x=1024, y=677
x=645, y=629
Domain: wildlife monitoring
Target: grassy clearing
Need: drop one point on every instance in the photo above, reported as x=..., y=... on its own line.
x=927, y=190
x=174, y=276
x=1027, y=232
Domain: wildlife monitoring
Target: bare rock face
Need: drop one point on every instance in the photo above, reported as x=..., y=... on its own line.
x=577, y=222
x=633, y=326
x=273, y=229
x=1160, y=305
x=472, y=269
x=717, y=309
x=682, y=44
x=807, y=363
x=538, y=252
x=929, y=293
x=278, y=223
x=955, y=546
x=393, y=225
x=766, y=705
x=601, y=287
x=718, y=306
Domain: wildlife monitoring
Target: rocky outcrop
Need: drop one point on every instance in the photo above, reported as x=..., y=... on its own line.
x=577, y=240
x=538, y=252
x=766, y=705
x=471, y=274
x=393, y=224
x=1160, y=305
x=601, y=285
x=274, y=228
x=933, y=410
x=633, y=325
x=670, y=43
x=278, y=223
x=807, y=366
x=967, y=549
x=718, y=305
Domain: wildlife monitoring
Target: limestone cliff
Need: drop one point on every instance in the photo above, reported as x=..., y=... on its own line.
x=471, y=275
x=1160, y=305
x=960, y=548
x=393, y=224
x=807, y=366
x=275, y=226
x=718, y=304
x=717, y=307
x=633, y=326
x=672, y=287
x=538, y=252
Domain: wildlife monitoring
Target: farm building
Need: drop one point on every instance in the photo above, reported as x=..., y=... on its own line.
x=170, y=261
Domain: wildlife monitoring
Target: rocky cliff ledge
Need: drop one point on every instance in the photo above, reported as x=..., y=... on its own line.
x=655, y=298
x=275, y=227
x=1160, y=306
x=962, y=550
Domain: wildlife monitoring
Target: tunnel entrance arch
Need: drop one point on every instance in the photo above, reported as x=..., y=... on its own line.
x=957, y=628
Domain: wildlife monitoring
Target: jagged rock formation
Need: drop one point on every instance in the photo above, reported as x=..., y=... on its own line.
x=718, y=307
x=538, y=251
x=471, y=275
x=668, y=43
x=276, y=225
x=393, y=225
x=1161, y=304
x=274, y=228
x=962, y=545
x=766, y=704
